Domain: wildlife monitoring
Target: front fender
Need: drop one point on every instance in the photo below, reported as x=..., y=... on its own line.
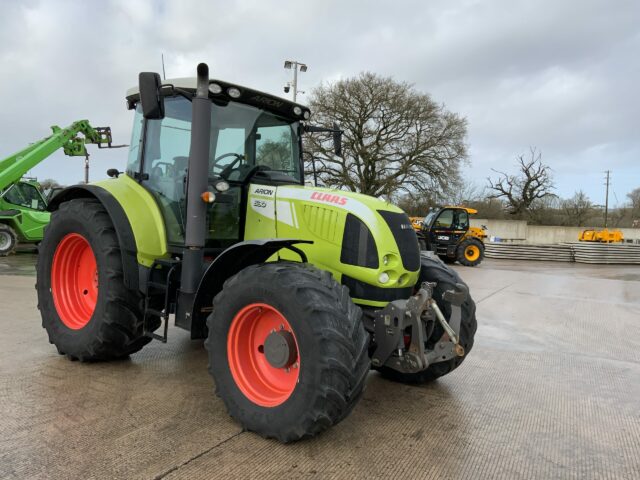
x=227, y=264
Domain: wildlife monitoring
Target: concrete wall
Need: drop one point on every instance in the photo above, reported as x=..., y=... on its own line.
x=517, y=231
x=506, y=229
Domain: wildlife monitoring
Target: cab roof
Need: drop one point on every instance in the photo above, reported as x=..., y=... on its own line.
x=470, y=211
x=247, y=95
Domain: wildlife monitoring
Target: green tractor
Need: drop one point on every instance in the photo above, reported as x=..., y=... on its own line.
x=299, y=291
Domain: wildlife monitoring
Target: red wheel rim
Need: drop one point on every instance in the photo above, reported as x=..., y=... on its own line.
x=262, y=383
x=74, y=281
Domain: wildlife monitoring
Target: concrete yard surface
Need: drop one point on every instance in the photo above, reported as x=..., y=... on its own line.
x=551, y=389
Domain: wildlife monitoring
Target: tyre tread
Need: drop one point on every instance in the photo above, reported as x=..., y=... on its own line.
x=342, y=340
x=120, y=331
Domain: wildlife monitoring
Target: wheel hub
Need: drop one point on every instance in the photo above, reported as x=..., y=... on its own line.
x=263, y=354
x=280, y=349
x=5, y=240
x=74, y=281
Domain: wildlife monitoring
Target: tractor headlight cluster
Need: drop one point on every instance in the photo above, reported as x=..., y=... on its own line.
x=301, y=113
x=215, y=88
x=221, y=186
x=233, y=92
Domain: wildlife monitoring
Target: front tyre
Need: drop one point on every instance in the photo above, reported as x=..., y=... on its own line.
x=86, y=309
x=287, y=350
x=470, y=252
x=8, y=240
x=433, y=270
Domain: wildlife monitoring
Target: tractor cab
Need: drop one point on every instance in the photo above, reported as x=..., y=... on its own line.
x=447, y=232
x=23, y=214
x=253, y=138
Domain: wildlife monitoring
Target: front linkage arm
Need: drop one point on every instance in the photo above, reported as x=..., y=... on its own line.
x=391, y=323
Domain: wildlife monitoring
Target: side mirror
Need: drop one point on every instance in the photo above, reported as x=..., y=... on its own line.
x=337, y=140
x=150, y=95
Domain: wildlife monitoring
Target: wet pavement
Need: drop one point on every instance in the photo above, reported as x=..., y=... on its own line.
x=22, y=262
x=550, y=390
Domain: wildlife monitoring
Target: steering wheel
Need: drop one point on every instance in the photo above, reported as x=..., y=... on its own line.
x=227, y=170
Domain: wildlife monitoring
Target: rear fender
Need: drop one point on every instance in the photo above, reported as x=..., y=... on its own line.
x=227, y=264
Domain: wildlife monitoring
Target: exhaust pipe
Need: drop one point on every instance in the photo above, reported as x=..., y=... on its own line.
x=197, y=183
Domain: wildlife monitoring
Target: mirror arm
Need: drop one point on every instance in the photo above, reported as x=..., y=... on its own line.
x=336, y=131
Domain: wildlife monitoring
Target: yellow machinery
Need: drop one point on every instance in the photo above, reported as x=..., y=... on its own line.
x=601, y=236
x=447, y=232
x=416, y=223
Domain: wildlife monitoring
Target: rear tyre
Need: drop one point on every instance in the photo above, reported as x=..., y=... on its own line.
x=86, y=309
x=447, y=260
x=8, y=240
x=432, y=270
x=470, y=252
x=287, y=350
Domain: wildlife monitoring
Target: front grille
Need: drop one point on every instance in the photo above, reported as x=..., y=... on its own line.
x=405, y=237
x=358, y=245
x=322, y=222
x=364, y=291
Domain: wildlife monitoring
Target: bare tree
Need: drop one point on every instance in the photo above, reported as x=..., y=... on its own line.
x=48, y=184
x=395, y=139
x=634, y=198
x=463, y=193
x=532, y=183
x=415, y=205
x=577, y=208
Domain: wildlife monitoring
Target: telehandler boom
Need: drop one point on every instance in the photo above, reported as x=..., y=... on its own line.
x=23, y=214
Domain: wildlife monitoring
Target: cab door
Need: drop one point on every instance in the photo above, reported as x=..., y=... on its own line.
x=165, y=159
x=29, y=201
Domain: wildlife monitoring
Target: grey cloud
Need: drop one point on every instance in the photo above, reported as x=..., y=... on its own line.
x=561, y=76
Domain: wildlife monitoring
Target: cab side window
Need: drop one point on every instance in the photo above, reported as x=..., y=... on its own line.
x=445, y=219
x=135, y=146
x=273, y=148
x=166, y=154
x=462, y=221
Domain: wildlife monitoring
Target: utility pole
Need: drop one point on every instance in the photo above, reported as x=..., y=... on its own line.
x=606, y=200
x=294, y=64
x=164, y=76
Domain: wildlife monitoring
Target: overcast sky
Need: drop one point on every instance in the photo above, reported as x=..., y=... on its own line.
x=563, y=76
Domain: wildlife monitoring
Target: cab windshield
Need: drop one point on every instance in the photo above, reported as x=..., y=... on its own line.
x=429, y=218
x=244, y=140
x=242, y=137
x=24, y=195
